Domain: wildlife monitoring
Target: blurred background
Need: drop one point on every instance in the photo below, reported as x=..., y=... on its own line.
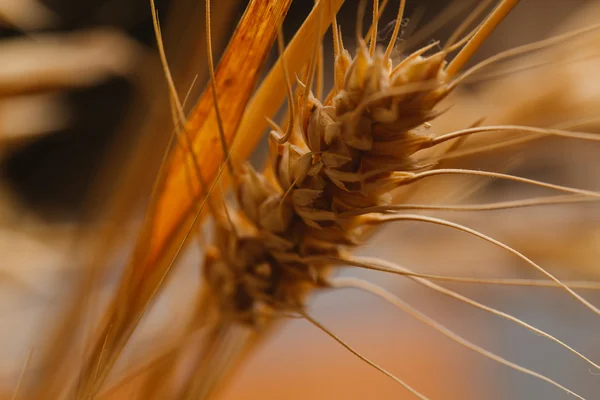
x=81, y=90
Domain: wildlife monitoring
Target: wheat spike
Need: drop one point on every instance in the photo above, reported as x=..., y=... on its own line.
x=344, y=163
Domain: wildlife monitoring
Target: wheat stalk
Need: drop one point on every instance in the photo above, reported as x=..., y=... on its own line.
x=258, y=267
x=335, y=172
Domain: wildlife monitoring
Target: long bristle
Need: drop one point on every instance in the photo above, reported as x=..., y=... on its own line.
x=396, y=31
x=482, y=34
x=376, y=290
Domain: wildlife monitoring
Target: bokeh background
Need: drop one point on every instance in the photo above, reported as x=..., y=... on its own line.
x=80, y=88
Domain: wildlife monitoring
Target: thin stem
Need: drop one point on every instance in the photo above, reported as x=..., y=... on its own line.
x=527, y=48
x=488, y=147
x=370, y=261
x=397, y=25
x=450, y=11
x=499, y=73
x=360, y=14
x=374, y=27
x=482, y=34
x=473, y=15
x=411, y=177
x=314, y=57
x=175, y=98
x=501, y=205
x=187, y=235
x=473, y=232
x=360, y=356
x=288, y=83
x=362, y=262
x=516, y=128
x=387, y=296
x=213, y=83
x=513, y=142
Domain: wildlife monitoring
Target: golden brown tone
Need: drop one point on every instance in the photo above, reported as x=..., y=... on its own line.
x=340, y=166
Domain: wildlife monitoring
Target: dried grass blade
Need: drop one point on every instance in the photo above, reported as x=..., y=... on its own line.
x=272, y=91
x=175, y=206
x=396, y=301
x=267, y=100
x=168, y=226
x=246, y=52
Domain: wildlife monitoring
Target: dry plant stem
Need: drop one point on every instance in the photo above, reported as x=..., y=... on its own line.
x=451, y=155
x=374, y=24
x=496, y=175
x=499, y=73
x=392, y=43
x=585, y=285
x=263, y=205
x=234, y=89
x=272, y=90
x=482, y=34
x=103, y=365
x=385, y=295
x=360, y=356
x=57, y=378
x=516, y=128
x=370, y=264
x=209, y=352
x=219, y=363
x=246, y=52
x=367, y=262
x=165, y=64
x=161, y=171
x=488, y=148
x=441, y=222
x=312, y=64
x=179, y=117
x=265, y=99
x=220, y=357
x=189, y=55
x=503, y=205
x=362, y=263
x=376, y=18
x=471, y=18
x=193, y=387
x=450, y=11
x=288, y=84
x=320, y=79
x=144, y=275
x=138, y=371
x=97, y=237
x=524, y=49
x=208, y=38
x=213, y=84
